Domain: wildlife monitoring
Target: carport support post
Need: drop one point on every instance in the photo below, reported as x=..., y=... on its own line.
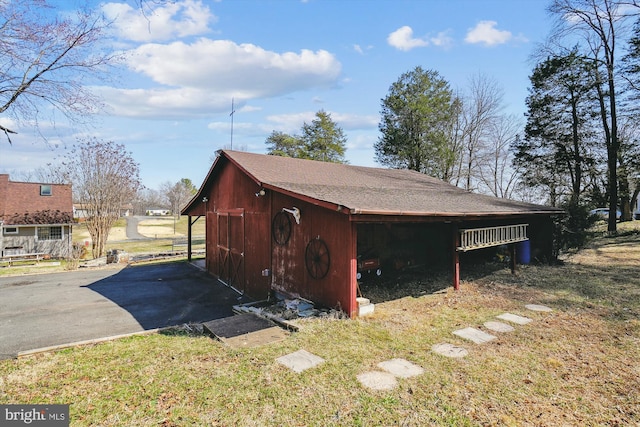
x=513, y=258
x=456, y=258
x=189, y=239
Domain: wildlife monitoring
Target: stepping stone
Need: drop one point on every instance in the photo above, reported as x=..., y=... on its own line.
x=401, y=368
x=378, y=380
x=449, y=350
x=300, y=360
x=475, y=335
x=499, y=327
x=514, y=318
x=537, y=307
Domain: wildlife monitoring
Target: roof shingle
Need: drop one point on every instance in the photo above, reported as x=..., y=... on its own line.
x=367, y=190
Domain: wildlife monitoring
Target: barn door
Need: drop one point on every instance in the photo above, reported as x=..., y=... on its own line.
x=230, y=247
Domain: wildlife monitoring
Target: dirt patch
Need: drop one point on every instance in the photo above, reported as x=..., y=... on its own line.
x=115, y=234
x=158, y=228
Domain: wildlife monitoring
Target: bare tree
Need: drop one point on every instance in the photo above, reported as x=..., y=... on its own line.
x=599, y=24
x=45, y=62
x=178, y=194
x=105, y=178
x=481, y=107
x=51, y=173
x=495, y=171
x=145, y=199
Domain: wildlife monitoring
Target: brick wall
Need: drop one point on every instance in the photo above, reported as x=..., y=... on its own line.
x=24, y=197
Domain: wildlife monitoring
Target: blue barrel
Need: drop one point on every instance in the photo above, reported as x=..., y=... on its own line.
x=523, y=252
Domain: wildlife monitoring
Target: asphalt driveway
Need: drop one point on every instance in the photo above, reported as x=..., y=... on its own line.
x=46, y=310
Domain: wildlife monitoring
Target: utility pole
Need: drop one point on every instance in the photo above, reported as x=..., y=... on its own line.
x=232, y=112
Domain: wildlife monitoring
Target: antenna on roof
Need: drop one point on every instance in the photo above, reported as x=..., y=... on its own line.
x=232, y=112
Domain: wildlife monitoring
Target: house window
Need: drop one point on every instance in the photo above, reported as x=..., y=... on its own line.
x=50, y=233
x=11, y=230
x=45, y=190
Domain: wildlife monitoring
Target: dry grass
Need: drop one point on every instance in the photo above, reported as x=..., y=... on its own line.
x=159, y=228
x=576, y=366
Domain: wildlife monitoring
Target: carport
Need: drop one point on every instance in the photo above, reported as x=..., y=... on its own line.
x=393, y=246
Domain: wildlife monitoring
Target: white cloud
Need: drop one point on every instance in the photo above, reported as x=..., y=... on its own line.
x=9, y=123
x=486, y=33
x=249, y=109
x=224, y=67
x=355, y=121
x=245, y=128
x=361, y=50
x=201, y=78
x=442, y=40
x=166, y=21
x=292, y=123
x=403, y=39
x=362, y=141
x=163, y=103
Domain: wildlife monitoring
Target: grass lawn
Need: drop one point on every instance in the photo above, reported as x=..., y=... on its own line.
x=578, y=365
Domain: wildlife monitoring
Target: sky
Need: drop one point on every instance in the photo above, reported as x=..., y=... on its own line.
x=278, y=62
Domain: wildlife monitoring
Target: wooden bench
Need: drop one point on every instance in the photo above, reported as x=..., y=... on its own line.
x=9, y=259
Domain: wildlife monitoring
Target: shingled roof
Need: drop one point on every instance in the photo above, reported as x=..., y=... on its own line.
x=366, y=190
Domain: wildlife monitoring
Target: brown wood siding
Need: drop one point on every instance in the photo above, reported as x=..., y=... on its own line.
x=244, y=218
x=257, y=253
x=290, y=274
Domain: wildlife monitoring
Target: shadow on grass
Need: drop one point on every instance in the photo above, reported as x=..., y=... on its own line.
x=615, y=290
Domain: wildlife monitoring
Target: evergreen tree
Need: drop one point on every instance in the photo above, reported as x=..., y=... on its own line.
x=417, y=120
x=323, y=139
x=556, y=149
x=285, y=145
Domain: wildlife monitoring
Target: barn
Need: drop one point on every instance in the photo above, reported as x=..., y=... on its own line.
x=310, y=229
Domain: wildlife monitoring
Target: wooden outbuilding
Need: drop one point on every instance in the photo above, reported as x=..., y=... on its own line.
x=311, y=229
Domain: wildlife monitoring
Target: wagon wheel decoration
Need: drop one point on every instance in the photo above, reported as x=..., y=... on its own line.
x=317, y=259
x=281, y=228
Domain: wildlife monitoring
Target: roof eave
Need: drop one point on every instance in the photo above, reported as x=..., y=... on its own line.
x=364, y=212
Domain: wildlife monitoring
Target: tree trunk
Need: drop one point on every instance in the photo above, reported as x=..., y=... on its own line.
x=624, y=193
x=611, y=142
